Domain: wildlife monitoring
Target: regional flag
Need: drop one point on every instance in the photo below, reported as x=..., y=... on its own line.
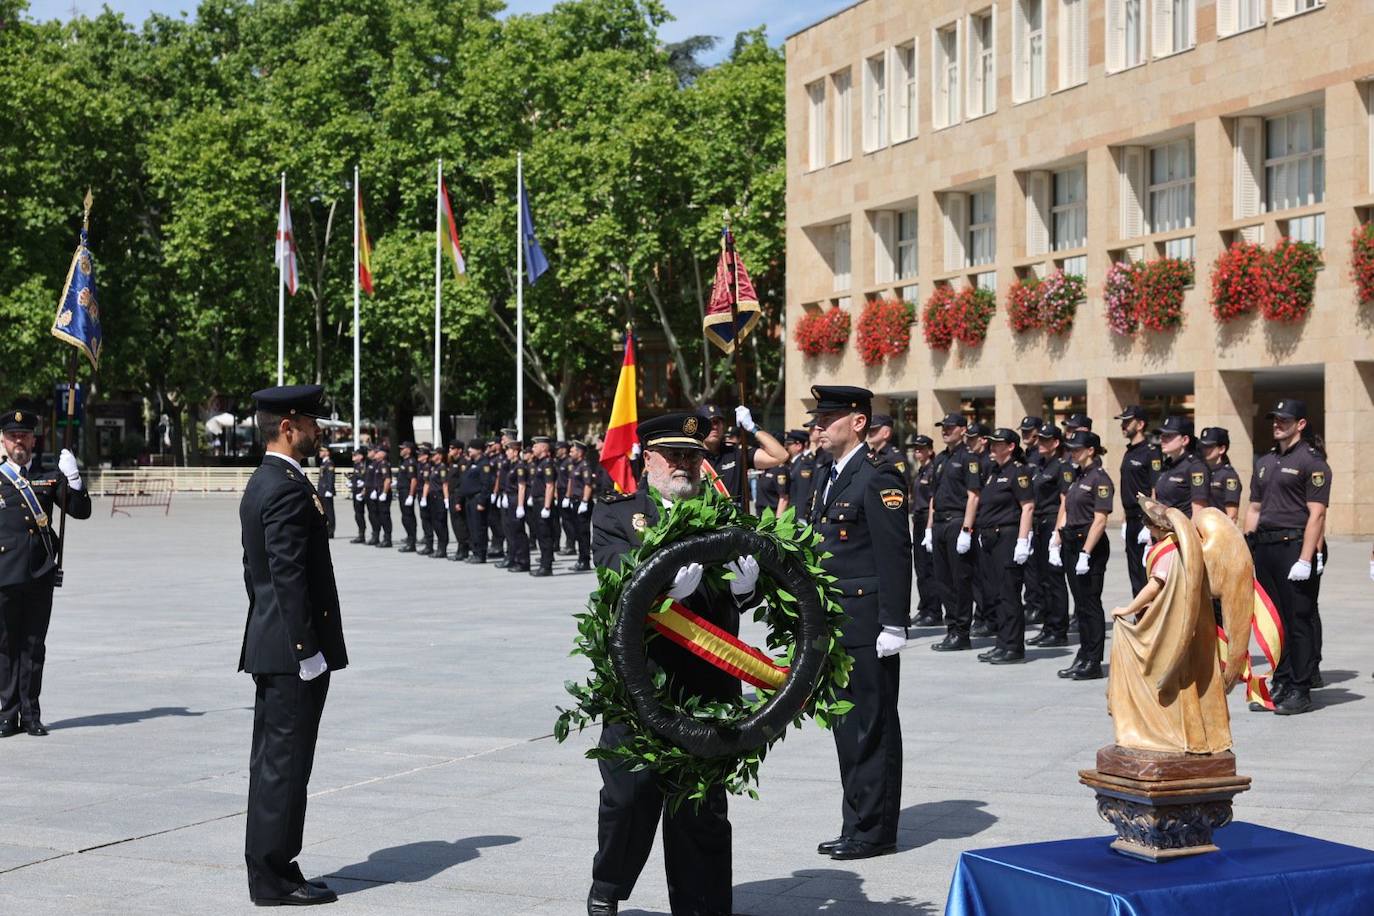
x=621, y=437
x=732, y=280
x=78, y=314
x=449, y=237
x=535, y=262
x=364, y=247
x=286, y=243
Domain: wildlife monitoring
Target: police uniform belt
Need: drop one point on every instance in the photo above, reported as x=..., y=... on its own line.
x=1276, y=535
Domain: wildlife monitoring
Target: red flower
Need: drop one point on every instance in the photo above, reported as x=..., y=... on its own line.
x=823, y=331
x=1362, y=261
x=1238, y=280
x=884, y=330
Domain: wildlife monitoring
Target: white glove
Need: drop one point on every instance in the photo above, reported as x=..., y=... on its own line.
x=502, y=502
x=1321, y=563
x=66, y=463
x=313, y=667
x=1371, y=570
x=634, y=451
x=891, y=640
x=374, y=494
x=582, y=507
x=519, y=511
x=423, y=502
x=545, y=512
x=328, y=494
x=928, y=542
x=410, y=501
x=1123, y=532
x=685, y=582
x=567, y=502
x=964, y=543
x=1056, y=558
x=1081, y=567
x=1022, y=552
x=1143, y=538
x=744, y=419
x=358, y=498
x=746, y=570
x=1301, y=571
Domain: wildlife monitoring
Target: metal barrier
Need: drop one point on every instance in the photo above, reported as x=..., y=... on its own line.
x=206, y=481
x=150, y=491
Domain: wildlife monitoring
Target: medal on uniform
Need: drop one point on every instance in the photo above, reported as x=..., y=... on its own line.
x=638, y=521
x=319, y=506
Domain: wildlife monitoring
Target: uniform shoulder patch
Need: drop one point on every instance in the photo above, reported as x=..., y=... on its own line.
x=1197, y=478
x=973, y=467
x=610, y=498
x=892, y=497
x=1068, y=476
x=806, y=475
x=1103, y=491
x=1319, y=478
x=901, y=466
x=1022, y=481
x=1232, y=483
x=1156, y=464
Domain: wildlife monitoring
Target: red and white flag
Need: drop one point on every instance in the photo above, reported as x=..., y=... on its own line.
x=286, y=244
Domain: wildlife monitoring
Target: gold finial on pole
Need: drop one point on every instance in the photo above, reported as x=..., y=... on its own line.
x=86, y=214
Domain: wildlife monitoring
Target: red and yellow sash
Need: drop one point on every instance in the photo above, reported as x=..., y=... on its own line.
x=709, y=642
x=714, y=477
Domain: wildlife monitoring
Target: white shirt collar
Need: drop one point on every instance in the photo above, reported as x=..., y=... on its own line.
x=287, y=458
x=839, y=465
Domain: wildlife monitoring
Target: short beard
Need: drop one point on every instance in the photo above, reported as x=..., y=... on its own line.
x=675, y=488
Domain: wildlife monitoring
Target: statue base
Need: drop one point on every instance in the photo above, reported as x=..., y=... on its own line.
x=1164, y=805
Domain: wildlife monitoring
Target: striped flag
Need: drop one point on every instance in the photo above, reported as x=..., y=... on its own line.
x=449, y=237
x=364, y=248
x=621, y=437
x=732, y=283
x=286, y=243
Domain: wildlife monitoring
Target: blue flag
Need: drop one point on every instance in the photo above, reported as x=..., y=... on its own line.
x=535, y=262
x=78, y=314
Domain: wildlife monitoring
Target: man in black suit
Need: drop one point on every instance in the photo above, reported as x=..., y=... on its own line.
x=696, y=840
x=861, y=513
x=292, y=639
x=28, y=566
x=324, y=487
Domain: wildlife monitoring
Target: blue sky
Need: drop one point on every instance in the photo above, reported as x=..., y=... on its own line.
x=694, y=17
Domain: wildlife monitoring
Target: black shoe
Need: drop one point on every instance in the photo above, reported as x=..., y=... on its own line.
x=372, y=542
x=1092, y=671
x=979, y=631
x=503, y=564
x=952, y=643
x=439, y=554
x=1317, y=682
x=405, y=548
x=305, y=895
x=1033, y=618
x=1295, y=702
x=600, y=906
x=1038, y=638
x=1072, y=669
x=1007, y=657
x=1053, y=642
x=35, y=727
x=425, y=551
x=540, y=572
x=9, y=728
x=830, y=846
x=496, y=555
x=988, y=654
x=358, y=540
x=386, y=542
x=518, y=568
x=475, y=559
x=582, y=566
x=856, y=849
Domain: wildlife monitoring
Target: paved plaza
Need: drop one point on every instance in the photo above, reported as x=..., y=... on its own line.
x=438, y=786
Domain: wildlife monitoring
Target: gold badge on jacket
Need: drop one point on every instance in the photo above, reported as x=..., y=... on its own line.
x=639, y=521
x=1156, y=464
x=892, y=497
x=1318, y=479
x=319, y=506
x=1103, y=491
x=1022, y=481
x=1197, y=479
x=1232, y=483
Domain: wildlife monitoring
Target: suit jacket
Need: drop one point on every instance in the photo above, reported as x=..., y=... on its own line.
x=25, y=555
x=863, y=525
x=293, y=605
x=618, y=521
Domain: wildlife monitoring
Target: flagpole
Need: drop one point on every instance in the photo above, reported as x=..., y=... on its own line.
x=357, y=349
x=281, y=290
x=743, y=459
x=519, y=296
x=71, y=410
x=438, y=280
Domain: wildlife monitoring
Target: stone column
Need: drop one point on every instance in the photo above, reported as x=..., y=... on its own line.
x=1107, y=397
x=1227, y=398
x=1348, y=428
x=1017, y=401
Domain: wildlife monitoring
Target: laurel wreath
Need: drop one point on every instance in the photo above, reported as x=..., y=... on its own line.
x=683, y=776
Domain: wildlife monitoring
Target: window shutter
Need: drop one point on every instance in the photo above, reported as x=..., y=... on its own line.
x=1283, y=8
x=968, y=45
x=960, y=68
x=1020, y=52
x=884, y=246
x=1369, y=106
x=870, y=108
x=956, y=231
x=1249, y=167
x=1132, y=191
x=1080, y=42
x=1227, y=22
x=1163, y=27
x=1116, y=35
x=1037, y=213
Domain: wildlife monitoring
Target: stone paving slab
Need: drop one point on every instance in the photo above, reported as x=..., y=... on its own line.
x=437, y=785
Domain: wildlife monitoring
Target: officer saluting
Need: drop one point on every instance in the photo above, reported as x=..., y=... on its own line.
x=28, y=567
x=292, y=639
x=861, y=514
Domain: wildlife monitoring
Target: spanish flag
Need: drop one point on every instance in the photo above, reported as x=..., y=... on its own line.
x=364, y=248
x=732, y=282
x=621, y=436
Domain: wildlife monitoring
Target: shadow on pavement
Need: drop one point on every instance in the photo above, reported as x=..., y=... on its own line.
x=413, y=862
x=816, y=890
x=1330, y=677
x=125, y=718
x=1329, y=696
x=952, y=819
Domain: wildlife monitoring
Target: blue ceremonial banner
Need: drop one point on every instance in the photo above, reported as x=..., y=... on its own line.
x=78, y=313
x=535, y=262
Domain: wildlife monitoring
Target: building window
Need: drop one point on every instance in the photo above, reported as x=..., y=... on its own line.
x=1076, y=265
x=1284, y=8
x=1239, y=16
x=904, y=92
x=1069, y=212
x=1182, y=249
x=946, y=69
x=1073, y=42
x=909, y=293
x=906, y=244
x=840, y=257
x=1125, y=34
x=1308, y=229
x=982, y=228
x=1172, y=171
x=986, y=280
x=982, y=90
x=875, y=103
x=1294, y=160
x=841, y=109
x=884, y=246
x=815, y=123
x=1174, y=29
x=1029, y=49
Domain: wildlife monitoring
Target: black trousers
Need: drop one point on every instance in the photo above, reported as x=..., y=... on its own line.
x=1135, y=553
x=1033, y=589
x=426, y=523
x=517, y=545
x=1054, y=589
x=328, y=503
x=384, y=516
x=374, y=518
x=25, y=612
x=546, y=533
x=567, y=518
x=408, y=520
x=477, y=523
x=1297, y=606
x=496, y=531
x=696, y=839
x=360, y=515
x=1087, y=590
x=458, y=518
x=982, y=601
x=438, y=522
x=1003, y=576
x=868, y=742
x=582, y=530
x=928, y=586
x=955, y=572
x=286, y=722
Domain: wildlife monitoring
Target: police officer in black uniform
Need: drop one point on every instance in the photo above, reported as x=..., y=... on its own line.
x=581, y=496
x=324, y=486
x=435, y=503
x=453, y=489
x=1075, y=422
x=1184, y=483
x=496, y=450
x=773, y=489
x=1049, y=482
x=292, y=640
x=1030, y=439
x=1140, y=466
x=373, y=483
x=862, y=516
x=1003, y=528
x=407, y=486
x=29, y=549
x=543, y=492
x=385, y=481
x=801, y=471
x=425, y=463
x=513, y=503
x=1084, y=549
x=357, y=490
x=957, y=480
x=564, y=506
x=696, y=838
x=1034, y=599
x=880, y=443
x=976, y=441
x=929, y=604
x=1214, y=442
x=1286, y=525
x=476, y=492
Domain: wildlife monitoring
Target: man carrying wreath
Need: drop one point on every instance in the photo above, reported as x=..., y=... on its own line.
x=696, y=837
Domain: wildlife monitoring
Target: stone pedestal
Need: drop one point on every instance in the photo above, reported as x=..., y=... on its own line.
x=1163, y=805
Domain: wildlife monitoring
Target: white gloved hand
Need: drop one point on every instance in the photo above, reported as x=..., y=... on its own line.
x=410, y=500
x=567, y=502
x=1022, y=551
x=313, y=667
x=519, y=511
x=891, y=640
x=928, y=542
x=1371, y=570
x=66, y=463
x=634, y=451
x=374, y=494
x=423, y=502
x=1123, y=532
x=583, y=507
x=503, y=502
x=328, y=494
x=964, y=543
x=358, y=498
x=1056, y=558
x=1301, y=571
x=1081, y=567
x=1321, y=563
x=545, y=512
x=746, y=570
x=686, y=581
x=1143, y=538
x=744, y=419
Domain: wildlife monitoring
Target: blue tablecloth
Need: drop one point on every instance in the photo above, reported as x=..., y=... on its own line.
x=1258, y=872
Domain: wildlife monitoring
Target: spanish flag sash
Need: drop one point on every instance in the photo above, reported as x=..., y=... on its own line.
x=709, y=642
x=714, y=476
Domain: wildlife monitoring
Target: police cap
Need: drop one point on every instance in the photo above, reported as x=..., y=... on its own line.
x=1214, y=435
x=1004, y=434
x=674, y=430
x=954, y=419
x=1180, y=426
x=1134, y=412
x=1031, y=423
x=1079, y=421
x=19, y=421
x=1085, y=438
x=880, y=419
x=292, y=400
x=832, y=398
x=1288, y=409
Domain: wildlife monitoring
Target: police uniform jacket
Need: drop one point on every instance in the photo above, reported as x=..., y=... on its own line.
x=1285, y=482
x=324, y=484
x=1225, y=487
x=1183, y=482
x=772, y=485
x=863, y=525
x=1091, y=492
x=293, y=604
x=801, y=482
x=357, y=479
x=543, y=473
x=1140, y=467
x=408, y=470
x=28, y=551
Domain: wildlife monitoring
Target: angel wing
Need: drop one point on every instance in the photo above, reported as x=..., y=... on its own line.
x=1230, y=578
